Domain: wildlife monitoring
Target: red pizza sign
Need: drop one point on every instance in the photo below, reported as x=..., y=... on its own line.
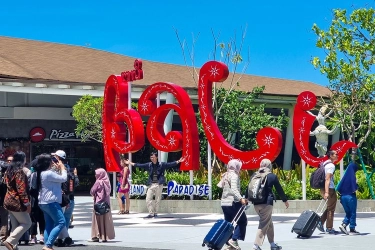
x=37, y=134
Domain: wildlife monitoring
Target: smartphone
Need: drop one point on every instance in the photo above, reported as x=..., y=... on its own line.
x=55, y=160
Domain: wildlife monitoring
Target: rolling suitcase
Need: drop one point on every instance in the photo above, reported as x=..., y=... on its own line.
x=221, y=231
x=307, y=221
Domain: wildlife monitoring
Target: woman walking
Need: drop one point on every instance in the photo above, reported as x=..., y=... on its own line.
x=50, y=196
x=102, y=225
x=124, y=189
x=264, y=208
x=16, y=200
x=232, y=202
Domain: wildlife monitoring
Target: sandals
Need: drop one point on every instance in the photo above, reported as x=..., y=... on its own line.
x=123, y=212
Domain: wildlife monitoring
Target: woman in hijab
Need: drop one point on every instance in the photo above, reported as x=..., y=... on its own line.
x=347, y=188
x=102, y=225
x=16, y=200
x=232, y=201
x=264, y=208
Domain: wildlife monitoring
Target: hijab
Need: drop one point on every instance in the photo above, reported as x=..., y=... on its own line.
x=102, y=179
x=265, y=166
x=234, y=165
x=348, y=183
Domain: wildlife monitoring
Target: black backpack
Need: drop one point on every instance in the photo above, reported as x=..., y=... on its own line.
x=256, y=190
x=318, y=177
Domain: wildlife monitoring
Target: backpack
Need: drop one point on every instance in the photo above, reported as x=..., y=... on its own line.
x=318, y=177
x=256, y=190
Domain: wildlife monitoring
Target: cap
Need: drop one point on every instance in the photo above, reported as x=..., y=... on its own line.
x=60, y=153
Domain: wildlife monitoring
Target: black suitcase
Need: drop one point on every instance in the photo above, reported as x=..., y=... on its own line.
x=307, y=222
x=221, y=232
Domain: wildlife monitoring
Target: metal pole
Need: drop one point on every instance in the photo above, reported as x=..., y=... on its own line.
x=209, y=170
x=303, y=180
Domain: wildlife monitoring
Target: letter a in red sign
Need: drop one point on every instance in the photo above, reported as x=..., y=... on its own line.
x=187, y=140
x=269, y=139
x=117, y=120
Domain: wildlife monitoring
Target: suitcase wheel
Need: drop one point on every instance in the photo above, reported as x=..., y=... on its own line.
x=203, y=245
x=298, y=236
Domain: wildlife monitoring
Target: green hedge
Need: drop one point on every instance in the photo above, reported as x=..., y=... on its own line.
x=290, y=180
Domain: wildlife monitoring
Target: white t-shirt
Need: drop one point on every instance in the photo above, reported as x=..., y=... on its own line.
x=330, y=168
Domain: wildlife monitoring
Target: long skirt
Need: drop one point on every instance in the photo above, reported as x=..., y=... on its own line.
x=102, y=226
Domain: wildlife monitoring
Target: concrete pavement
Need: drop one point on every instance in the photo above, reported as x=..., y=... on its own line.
x=190, y=237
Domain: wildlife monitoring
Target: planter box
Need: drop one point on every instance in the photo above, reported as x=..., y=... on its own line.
x=213, y=206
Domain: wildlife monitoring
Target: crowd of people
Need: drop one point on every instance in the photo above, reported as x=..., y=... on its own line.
x=42, y=197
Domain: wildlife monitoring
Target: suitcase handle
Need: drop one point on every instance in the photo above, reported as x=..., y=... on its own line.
x=321, y=206
x=238, y=215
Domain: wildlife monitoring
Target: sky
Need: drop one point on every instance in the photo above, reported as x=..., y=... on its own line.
x=278, y=43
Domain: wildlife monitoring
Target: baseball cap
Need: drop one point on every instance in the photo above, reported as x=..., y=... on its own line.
x=60, y=153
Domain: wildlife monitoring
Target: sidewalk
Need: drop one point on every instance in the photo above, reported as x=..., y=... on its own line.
x=190, y=237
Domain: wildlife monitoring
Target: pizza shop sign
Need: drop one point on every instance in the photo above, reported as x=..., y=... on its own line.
x=58, y=134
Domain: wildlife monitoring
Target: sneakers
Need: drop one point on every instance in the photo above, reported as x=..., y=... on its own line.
x=257, y=248
x=320, y=227
x=331, y=231
x=41, y=240
x=34, y=241
x=68, y=242
x=353, y=231
x=58, y=243
x=276, y=247
x=234, y=244
x=343, y=229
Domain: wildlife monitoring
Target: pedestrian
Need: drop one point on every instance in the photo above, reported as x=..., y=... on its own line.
x=17, y=200
x=102, y=225
x=232, y=202
x=3, y=211
x=347, y=188
x=37, y=217
x=156, y=180
x=118, y=184
x=124, y=188
x=329, y=193
x=50, y=196
x=264, y=208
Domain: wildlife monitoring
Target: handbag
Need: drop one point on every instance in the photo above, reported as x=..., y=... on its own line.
x=101, y=208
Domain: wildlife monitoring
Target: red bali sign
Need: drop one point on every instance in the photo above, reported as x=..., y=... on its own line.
x=118, y=119
x=302, y=124
x=269, y=139
x=188, y=140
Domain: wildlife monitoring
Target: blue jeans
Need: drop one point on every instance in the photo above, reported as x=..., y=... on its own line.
x=68, y=214
x=55, y=222
x=229, y=214
x=349, y=202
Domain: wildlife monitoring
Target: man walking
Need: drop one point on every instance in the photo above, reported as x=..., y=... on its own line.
x=156, y=180
x=328, y=192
